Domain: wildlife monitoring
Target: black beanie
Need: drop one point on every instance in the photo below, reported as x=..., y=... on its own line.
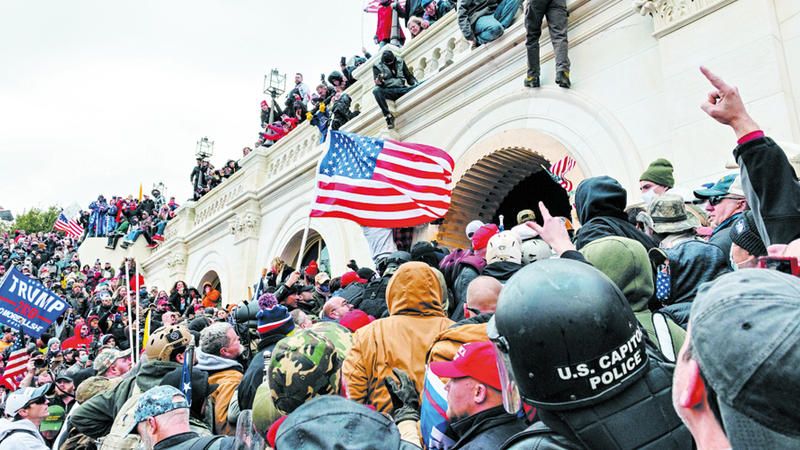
x=745, y=234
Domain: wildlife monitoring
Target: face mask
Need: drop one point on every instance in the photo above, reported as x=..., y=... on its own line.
x=648, y=197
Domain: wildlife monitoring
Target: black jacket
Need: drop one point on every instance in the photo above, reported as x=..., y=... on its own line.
x=501, y=270
x=772, y=190
x=254, y=375
x=469, y=11
x=394, y=77
x=600, y=202
x=639, y=417
x=487, y=429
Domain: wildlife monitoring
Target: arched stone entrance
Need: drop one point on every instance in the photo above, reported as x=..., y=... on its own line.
x=316, y=249
x=503, y=174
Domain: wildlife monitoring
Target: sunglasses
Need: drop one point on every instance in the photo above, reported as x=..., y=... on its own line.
x=38, y=401
x=472, y=310
x=714, y=201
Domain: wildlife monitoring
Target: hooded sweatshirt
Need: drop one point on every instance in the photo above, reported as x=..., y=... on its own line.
x=76, y=340
x=626, y=263
x=402, y=340
x=227, y=374
x=600, y=203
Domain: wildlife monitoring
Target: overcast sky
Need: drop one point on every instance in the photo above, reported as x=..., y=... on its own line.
x=98, y=96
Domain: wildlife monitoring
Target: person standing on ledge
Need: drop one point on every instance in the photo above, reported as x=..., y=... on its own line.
x=556, y=13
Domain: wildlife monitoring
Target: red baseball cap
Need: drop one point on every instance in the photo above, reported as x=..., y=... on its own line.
x=355, y=319
x=350, y=277
x=475, y=360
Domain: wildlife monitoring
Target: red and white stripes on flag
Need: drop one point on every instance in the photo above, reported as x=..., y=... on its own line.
x=560, y=168
x=371, y=6
x=382, y=183
x=70, y=227
x=16, y=366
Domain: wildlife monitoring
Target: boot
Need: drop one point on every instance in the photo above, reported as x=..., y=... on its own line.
x=390, y=122
x=562, y=79
x=532, y=81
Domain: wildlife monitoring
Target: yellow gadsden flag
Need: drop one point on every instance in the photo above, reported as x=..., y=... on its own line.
x=146, y=334
x=140, y=191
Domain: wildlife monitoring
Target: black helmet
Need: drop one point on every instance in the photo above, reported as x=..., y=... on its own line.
x=335, y=76
x=395, y=260
x=566, y=337
x=424, y=251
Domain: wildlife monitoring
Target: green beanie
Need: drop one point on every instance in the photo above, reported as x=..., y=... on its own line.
x=659, y=172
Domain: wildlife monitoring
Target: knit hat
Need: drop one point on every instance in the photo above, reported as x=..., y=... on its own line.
x=659, y=172
x=312, y=269
x=263, y=103
x=481, y=237
x=745, y=234
x=355, y=319
x=272, y=318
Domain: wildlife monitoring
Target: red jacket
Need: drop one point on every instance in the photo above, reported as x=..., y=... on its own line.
x=76, y=340
x=383, y=33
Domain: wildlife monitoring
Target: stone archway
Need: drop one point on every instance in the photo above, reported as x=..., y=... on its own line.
x=493, y=168
x=316, y=249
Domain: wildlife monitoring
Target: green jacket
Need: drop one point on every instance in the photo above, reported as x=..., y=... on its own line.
x=95, y=417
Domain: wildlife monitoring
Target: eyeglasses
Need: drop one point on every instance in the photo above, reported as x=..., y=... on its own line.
x=714, y=201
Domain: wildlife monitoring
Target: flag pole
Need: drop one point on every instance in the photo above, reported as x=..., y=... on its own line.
x=138, y=315
x=128, y=299
x=303, y=241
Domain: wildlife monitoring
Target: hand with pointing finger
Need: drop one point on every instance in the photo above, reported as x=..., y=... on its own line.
x=553, y=231
x=724, y=104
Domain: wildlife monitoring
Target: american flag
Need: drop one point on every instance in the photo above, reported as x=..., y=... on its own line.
x=371, y=6
x=71, y=227
x=382, y=183
x=559, y=169
x=16, y=365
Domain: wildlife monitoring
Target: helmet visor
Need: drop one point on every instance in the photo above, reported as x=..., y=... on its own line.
x=512, y=402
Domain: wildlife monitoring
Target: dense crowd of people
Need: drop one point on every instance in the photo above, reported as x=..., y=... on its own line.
x=669, y=323
x=127, y=218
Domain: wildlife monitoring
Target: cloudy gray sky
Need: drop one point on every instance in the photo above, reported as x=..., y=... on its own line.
x=97, y=96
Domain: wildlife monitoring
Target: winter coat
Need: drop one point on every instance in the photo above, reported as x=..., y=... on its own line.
x=211, y=299
x=227, y=375
x=464, y=278
x=180, y=303
x=486, y=429
x=447, y=343
x=469, y=11
x=27, y=438
x=627, y=264
x=721, y=236
x=691, y=264
x=383, y=32
x=76, y=340
x=95, y=417
x=254, y=375
x=394, y=77
x=600, y=202
x=398, y=341
x=442, y=7
x=188, y=441
x=771, y=188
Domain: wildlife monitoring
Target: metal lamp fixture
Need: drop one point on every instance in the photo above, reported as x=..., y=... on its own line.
x=205, y=148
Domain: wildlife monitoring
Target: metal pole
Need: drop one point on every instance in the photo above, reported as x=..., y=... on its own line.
x=395, y=37
x=138, y=315
x=128, y=299
x=303, y=242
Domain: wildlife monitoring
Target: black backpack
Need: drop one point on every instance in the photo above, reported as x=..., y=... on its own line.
x=373, y=301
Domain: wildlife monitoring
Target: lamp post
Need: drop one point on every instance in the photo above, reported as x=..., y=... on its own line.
x=274, y=85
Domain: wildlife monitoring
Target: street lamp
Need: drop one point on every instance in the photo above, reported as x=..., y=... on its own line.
x=274, y=85
x=205, y=148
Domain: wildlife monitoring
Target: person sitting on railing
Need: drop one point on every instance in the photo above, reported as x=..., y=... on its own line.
x=417, y=25
x=435, y=9
x=383, y=32
x=266, y=110
x=483, y=21
x=393, y=79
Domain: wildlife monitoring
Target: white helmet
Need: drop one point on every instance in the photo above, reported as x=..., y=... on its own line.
x=534, y=250
x=472, y=227
x=504, y=246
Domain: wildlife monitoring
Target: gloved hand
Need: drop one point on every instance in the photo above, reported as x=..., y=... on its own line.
x=309, y=116
x=322, y=107
x=405, y=398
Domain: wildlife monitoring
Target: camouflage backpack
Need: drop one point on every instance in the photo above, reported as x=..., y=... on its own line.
x=118, y=438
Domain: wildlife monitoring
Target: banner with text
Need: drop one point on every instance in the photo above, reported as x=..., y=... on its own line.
x=26, y=303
